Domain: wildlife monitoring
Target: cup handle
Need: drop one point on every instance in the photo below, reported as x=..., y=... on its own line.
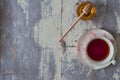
x=113, y=62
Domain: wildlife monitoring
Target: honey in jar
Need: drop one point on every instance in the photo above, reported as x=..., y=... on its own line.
x=86, y=16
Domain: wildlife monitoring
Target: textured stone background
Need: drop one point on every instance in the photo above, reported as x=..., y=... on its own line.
x=29, y=33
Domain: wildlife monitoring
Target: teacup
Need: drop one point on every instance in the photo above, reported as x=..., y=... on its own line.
x=100, y=50
x=101, y=55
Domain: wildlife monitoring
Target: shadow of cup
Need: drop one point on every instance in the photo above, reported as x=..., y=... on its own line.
x=118, y=49
x=2, y=28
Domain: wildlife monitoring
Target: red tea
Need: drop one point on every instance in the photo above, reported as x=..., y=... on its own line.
x=98, y=49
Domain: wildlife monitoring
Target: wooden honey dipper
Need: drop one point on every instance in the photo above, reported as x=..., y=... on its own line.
x=86, y=10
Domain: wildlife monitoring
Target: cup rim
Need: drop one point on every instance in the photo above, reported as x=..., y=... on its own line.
x=110, y=55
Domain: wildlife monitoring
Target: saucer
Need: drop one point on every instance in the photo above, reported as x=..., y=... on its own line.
x=83, y=41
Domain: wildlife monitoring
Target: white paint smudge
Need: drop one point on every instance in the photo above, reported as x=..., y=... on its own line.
x=46, y=32
x=44, y=67
x=24, y=5
x=13, y=77
x=116, y=76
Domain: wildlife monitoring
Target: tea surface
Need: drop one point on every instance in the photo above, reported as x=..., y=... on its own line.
x=98, y=49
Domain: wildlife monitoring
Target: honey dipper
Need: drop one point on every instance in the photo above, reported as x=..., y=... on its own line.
x=86, y=10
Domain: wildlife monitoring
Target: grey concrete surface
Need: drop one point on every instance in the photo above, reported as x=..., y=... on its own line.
x=29, y=33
